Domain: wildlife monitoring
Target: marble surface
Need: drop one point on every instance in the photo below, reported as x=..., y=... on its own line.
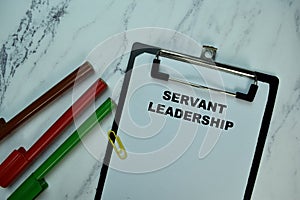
x=42, y=41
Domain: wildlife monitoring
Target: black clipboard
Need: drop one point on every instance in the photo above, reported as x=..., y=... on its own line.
x=216, y=170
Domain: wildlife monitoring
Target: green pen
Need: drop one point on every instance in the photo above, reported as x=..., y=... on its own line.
x=35, y=183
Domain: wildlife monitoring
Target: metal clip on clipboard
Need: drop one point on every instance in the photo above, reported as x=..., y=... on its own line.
x=207, y=59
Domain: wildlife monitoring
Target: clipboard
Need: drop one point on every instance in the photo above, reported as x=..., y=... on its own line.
x=187, y=127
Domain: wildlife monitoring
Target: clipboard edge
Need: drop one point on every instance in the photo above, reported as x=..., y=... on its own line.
x=273, y=82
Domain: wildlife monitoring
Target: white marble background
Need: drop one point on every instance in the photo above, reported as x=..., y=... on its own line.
x=42, y=41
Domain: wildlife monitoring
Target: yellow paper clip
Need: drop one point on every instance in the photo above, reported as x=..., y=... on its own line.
x=121, y=152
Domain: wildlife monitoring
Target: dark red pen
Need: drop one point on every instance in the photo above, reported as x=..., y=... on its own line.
x=20, y=159
x=6, y=128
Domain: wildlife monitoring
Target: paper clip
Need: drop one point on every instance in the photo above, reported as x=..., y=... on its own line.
x=121, y=152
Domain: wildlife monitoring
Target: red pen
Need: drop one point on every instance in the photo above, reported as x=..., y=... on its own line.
x=20, y=159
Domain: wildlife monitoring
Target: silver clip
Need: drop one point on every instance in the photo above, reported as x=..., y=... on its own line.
x=207, y=59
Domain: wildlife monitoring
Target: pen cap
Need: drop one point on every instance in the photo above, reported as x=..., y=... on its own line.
x=11, y=167
x=29, y=189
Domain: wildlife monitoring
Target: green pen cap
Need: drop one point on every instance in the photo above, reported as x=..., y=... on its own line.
x=29, y=189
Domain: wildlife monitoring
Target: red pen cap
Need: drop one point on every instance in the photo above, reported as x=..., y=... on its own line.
x=12, y=166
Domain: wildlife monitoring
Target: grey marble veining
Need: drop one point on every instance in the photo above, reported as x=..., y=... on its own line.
x=87, y=183
x=190, y=17
x=34, y=35
x=297, y=21
x=53, y=37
